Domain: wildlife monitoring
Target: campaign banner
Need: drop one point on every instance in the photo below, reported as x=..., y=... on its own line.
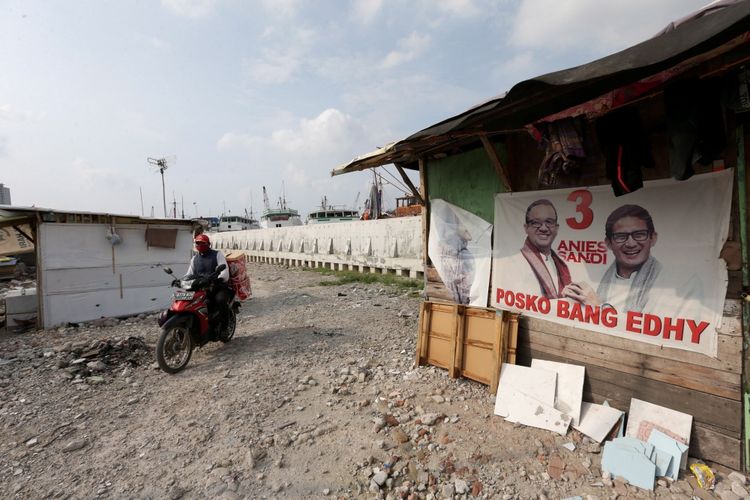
x=644, y=266
x=13, y=242
x=460, y=248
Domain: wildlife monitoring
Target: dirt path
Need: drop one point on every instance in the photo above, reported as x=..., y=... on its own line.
x=316, y=396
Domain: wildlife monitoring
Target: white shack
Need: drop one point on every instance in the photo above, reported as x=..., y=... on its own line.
x=95, y=265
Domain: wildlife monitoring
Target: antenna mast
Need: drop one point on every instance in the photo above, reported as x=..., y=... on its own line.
x=161, y=164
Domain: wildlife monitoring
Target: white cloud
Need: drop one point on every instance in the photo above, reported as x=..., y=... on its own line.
x=190, y=8
x=237, y=140
x=279, y=64
x=9, y=113
x=3, y=146
x=410, y=48
x=585, y=24
x=151, y=40
x=84, y=173
x=273, y=68
x=285, y=8
x=459, y=8
x=326, y=134
x=365, y=11
x=518, y=67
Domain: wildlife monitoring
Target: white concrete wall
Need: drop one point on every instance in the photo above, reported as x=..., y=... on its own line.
x=83, y=277
x=386, y=245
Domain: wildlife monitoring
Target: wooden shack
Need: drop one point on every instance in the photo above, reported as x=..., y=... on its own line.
x=489, y=149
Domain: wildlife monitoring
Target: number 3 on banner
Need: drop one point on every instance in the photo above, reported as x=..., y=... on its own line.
x=582, y=198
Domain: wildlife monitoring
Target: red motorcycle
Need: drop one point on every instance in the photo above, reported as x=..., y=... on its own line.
x=188, y=323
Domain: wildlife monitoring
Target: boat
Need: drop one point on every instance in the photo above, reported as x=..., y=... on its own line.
x=330, y=213
x=281, y=216
x=237, y=223
x=407, y=206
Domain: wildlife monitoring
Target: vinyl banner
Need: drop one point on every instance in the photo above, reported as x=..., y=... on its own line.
x=644, y=266
x=460, y=248
x=12, y=242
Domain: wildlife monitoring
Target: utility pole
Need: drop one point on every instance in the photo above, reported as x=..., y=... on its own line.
x=161, y=164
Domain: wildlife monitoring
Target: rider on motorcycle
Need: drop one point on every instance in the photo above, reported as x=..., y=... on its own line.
x=205, y=262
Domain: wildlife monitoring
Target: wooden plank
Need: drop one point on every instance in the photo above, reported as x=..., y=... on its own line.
x=728, y=350
x=458, y=311
x=498, y=353
x=495, y=160
x=730, y=325
x=432, y=274
x=459, y=359
x=476, y=359
x=438, y=291
x=709, y=444
x=733, y=307
x=722, y=413
x=409, y=183
x=425, y=213
x=441, y=337
x=420, y=334
x=698, y=377
x=513, y=327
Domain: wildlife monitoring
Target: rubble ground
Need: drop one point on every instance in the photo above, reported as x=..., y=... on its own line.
x=316, y=396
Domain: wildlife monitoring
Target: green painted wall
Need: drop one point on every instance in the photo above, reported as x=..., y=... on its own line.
x=467, y=180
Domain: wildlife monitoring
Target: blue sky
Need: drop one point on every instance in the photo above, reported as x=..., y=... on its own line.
x=272, y=92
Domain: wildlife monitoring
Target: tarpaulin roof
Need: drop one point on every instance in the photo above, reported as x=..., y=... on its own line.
x=12, y=215
x=708, y=29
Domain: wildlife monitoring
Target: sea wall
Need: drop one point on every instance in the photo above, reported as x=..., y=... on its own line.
x=376, y=246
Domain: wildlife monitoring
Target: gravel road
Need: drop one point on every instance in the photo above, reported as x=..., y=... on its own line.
x=316, y=396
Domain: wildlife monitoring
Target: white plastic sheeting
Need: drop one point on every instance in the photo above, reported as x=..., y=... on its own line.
x=460, y=248
x=85, y=277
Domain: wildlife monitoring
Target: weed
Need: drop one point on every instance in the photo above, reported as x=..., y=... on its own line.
x=346, y=277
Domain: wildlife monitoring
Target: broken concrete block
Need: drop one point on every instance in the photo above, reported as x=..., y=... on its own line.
x=597, y=420
x=538, y=384
x=569, y=388
x=629, y=459
x=644, y=417
x=663, y=462
x=678, y=451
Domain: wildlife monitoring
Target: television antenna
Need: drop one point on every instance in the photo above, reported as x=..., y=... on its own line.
x=161, y=164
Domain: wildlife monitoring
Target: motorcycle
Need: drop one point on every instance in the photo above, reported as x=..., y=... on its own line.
x=187, y=323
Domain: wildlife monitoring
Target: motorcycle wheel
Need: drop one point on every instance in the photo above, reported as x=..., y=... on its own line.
x=228, y=331
x=174, y=348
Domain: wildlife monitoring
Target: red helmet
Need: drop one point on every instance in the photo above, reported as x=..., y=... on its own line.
x=202, y=239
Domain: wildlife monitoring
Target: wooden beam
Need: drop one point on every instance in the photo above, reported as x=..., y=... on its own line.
x=408, y=182
x=495, y=160
x=425, y=214
x=18, y=228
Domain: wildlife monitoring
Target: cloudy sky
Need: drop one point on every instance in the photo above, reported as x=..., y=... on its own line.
x=243, y=94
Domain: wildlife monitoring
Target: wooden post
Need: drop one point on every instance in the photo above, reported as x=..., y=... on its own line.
x=495, y=160
x=458, y=344
x=409, y=183
x=498, y=351
x=425, y=217
x=512, y=338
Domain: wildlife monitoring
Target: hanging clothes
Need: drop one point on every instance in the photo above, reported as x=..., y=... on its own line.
x=564, y=152
x=695, y=125
x=626, y=149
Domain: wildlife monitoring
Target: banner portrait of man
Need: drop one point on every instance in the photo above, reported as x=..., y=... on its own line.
x=625, y=266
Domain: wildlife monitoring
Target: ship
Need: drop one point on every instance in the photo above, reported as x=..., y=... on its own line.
x=281, y=216
x=330, y=213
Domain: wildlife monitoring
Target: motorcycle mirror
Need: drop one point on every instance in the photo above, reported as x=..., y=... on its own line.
x=168, y=270
x=221, y=267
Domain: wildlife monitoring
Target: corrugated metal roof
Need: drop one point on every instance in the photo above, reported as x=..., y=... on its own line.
x=719, y=24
